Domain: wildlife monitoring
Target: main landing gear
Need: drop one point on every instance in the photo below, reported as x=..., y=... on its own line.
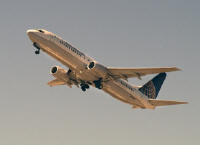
x=98, y=83
x=37, y=47
x=84, y=87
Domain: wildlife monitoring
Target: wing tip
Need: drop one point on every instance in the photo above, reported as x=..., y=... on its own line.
x=174, y=69
x=177, y=69
x=183, y=102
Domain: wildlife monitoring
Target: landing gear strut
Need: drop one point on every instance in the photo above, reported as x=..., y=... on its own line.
x=98, y=83
x=84, y=87
x=37, y=47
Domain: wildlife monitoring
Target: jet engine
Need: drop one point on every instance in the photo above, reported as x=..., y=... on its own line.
x=98, y=69
x=60, y=73
x=63, y=77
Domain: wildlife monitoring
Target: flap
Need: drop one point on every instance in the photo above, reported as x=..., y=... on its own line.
x=126, y=73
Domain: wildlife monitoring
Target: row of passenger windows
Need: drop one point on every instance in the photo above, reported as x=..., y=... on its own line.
x=69, y=46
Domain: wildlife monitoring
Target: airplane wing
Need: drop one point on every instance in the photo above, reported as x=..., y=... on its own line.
x=165, y=102
x=126, y=73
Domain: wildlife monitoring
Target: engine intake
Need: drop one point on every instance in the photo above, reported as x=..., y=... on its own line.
x=54, y=69
x=58, y=72
x=91, y=65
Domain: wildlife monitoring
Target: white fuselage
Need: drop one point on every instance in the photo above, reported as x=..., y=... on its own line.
x=78, y=62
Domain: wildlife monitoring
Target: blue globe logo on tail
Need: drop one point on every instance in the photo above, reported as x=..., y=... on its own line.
x=152, y=88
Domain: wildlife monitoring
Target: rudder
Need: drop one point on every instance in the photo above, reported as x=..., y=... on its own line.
x=152, y=88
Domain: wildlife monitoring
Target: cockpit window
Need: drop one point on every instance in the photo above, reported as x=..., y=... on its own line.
x=41, y=31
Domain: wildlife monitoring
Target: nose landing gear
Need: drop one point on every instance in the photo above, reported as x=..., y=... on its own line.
x=37, y=47
x=37, y=52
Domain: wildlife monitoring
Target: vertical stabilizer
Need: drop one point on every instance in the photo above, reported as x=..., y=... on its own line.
x=152, y=88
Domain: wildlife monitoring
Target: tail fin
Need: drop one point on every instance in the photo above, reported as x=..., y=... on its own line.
x=152, y=88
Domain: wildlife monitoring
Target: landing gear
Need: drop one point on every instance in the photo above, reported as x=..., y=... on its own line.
x=37, y=52
x=37, y=47
x=84, y=87
x=98, y=83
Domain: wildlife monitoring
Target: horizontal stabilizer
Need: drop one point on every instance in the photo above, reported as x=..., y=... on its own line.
x=57, y=82
x=126, y=73
x=165, y=102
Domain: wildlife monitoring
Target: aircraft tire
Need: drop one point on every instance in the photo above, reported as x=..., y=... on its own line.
x=37, y=52
x=87, y=86
x=100, y=86
x=83, y=88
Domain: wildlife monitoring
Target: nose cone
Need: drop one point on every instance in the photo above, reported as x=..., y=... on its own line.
x=30, y=32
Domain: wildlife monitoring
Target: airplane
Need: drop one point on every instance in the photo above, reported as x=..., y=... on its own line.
x=84, y=72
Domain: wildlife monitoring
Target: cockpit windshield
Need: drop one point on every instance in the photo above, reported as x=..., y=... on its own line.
x=41, y=31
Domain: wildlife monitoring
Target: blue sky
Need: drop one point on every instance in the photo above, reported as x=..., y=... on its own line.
x=128, y=33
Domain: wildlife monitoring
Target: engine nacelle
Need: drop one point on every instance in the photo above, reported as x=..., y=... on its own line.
x=60, y=74
x=98, y=69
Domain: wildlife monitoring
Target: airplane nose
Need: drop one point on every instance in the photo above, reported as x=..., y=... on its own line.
x=32, y=34
x=29, y=32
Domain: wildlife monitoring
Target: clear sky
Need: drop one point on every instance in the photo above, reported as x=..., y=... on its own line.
x=120, y=33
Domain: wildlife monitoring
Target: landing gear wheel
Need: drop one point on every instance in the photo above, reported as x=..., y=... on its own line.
x=37, y=52
x=100, y=87
x=87, y=86
x=37, y=47
x=83, y=88
x=98, y=83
